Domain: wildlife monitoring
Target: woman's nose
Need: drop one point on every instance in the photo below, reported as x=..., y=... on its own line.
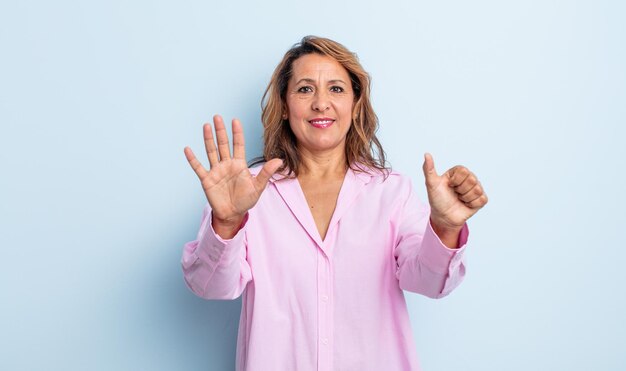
x=321, y=101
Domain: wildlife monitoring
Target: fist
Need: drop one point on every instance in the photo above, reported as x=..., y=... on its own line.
x=454, y=196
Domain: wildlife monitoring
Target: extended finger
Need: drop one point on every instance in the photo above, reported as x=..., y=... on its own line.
x=195, y=164
x=472, y=194
x=209, y=145
x=478, y=203
x=457, y=175
x=430, y=174
x=466, y=185
x=268, y=169
x=223, y=146
x=239, y=150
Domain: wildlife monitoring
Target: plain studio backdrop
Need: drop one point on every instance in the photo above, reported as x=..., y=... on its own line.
x=98, y=99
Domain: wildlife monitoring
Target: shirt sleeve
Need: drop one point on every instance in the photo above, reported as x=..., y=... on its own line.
x=215, y=268
x=424, y=264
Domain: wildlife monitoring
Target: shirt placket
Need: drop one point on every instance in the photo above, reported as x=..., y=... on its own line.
x=325, y=312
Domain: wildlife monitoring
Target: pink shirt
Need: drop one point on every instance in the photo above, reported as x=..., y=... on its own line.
x=332, y=304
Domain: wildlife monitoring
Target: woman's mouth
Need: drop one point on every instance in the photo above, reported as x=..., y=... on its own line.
x=321, y=123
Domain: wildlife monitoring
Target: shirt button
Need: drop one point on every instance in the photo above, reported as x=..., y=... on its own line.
x=324, y=298
x=325, y=341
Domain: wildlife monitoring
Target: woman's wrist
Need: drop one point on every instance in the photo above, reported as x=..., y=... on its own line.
x=227, y=228
x=449, y=235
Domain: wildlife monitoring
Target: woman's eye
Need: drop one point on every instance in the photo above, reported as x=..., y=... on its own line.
x=336, y=89
x=305, y=89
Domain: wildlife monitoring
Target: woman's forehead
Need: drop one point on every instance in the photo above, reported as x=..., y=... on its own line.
x=316, y=66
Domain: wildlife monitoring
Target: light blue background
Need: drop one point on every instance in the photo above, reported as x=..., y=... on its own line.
x=98, y=99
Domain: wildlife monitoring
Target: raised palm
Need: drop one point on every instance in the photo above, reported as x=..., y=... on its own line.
x=229, y=186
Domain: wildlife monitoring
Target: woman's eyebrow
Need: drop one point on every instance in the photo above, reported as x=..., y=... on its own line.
x=312, y=81
x=307, y=80
x=337, y=81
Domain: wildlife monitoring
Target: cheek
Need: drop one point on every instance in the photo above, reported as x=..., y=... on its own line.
x=295, y=128
x=296, y=109
x=348, y=110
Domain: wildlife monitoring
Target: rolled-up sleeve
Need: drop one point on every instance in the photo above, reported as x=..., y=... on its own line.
x=424, y=264
x=215, y=268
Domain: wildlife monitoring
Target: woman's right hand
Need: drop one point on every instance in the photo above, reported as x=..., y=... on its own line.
x=228, y=185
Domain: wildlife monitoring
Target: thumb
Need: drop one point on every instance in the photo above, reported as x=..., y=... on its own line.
x=429, y=169
x=268, y=169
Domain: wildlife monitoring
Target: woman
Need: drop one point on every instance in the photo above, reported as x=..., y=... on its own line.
x=322, y=238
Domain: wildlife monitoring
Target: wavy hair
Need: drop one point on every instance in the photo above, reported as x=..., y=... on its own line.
x=363, y=149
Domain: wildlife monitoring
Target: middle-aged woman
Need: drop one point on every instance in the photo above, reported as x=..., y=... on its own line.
x=322, y=239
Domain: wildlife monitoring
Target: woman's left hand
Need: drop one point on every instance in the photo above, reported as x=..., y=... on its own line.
x=454, y=196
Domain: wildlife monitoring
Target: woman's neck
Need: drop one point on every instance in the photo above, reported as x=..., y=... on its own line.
x=326, y=165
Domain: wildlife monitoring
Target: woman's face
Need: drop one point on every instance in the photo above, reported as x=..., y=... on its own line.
x=319, y=104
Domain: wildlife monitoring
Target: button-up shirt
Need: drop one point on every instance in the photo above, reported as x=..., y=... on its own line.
x=331, y=304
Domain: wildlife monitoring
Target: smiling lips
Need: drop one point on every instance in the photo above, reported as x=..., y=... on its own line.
x=321, y=123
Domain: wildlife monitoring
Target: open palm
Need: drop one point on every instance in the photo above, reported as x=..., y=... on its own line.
x=230, y=188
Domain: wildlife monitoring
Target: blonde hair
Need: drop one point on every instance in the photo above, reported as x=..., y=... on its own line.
x=363, y=150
